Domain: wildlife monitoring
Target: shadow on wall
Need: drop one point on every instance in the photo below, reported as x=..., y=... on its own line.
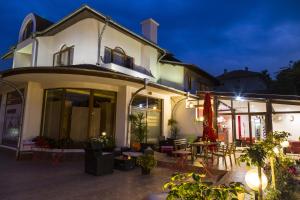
x=188, y=127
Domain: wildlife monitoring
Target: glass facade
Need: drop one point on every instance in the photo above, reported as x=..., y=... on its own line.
x=78, y=114
x=152, y=109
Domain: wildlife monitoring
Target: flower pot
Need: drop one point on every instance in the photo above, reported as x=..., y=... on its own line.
x=136, y=146
x=145, y=171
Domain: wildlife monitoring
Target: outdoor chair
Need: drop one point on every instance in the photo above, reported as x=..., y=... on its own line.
x=232, y=151
x=222, y=151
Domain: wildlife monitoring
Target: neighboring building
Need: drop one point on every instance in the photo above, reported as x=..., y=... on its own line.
x=78, y=76
x=242, y=81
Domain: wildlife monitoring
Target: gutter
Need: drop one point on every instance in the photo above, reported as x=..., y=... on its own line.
x=99, y=58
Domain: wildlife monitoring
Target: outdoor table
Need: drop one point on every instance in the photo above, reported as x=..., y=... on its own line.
x=204, y=148
x=167, y=149
x=124, y=163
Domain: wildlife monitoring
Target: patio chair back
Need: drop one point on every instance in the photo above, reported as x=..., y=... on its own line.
x=180, y=144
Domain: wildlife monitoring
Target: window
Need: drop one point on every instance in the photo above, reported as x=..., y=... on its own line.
x=27, y=31
x=78, y=114
x=118, y=57
x=64, y=57
x=152, y=109
x=189, y=82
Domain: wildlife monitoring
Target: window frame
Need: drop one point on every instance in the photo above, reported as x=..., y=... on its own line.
x=59, y=55
x=121, y=52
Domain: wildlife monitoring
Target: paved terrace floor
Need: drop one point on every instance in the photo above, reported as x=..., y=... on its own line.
x=40, y=180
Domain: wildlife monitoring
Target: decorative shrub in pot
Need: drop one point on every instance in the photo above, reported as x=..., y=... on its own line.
x=147, y=163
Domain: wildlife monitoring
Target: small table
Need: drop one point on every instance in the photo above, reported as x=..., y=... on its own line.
x=204, y=148
x=124, y=163
x=166, y=149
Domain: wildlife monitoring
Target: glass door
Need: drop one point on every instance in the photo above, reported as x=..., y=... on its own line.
x=258, y=126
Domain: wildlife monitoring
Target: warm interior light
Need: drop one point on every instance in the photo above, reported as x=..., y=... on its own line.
x=285, y=144
x=154, y=107
x=252, y=179
x=220, y=119
x=103, y=133
x=191, y=105
x=201, y=119
x=140, y=105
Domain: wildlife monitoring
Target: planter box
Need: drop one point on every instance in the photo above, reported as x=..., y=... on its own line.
x=98, y=163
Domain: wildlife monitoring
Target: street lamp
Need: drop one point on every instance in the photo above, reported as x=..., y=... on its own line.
x=252, y=180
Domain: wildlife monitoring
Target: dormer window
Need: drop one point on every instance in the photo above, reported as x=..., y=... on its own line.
x=118, y=57
x=64, y=57
x=28, y=30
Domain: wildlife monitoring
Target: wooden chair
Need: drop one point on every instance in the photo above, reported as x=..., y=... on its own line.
x=232, y=151
x=222, y=151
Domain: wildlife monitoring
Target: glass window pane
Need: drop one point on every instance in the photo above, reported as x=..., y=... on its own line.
x=75, y=115
x=285, y=107
x=118, y=58
x=52, y=113
x=103, y=113
x=224, y=106
x=240, y=106
x=257, y=107
x=289, y=123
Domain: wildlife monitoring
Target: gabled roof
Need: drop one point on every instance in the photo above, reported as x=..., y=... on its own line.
x=191, y=67
x=87, y=12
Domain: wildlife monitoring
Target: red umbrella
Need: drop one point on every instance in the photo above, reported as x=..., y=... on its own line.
x=208, y=131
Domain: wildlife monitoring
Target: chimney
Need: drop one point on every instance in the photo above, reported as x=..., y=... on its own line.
x=149, y=29
x=246, y=68
x=225, y=71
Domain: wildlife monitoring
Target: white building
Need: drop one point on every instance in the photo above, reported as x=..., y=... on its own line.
x=78, y=77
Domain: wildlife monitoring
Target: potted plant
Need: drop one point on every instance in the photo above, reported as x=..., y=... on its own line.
x=147, y=163
x=138, y=129
x=191, y=186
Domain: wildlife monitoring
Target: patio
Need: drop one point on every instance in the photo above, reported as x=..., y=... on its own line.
x=39, y=179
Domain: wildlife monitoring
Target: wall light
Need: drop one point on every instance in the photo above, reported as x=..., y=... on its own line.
x=154, y=108
x=239, y=98
x=292, y=118
x=201, y=119
x=103, y=133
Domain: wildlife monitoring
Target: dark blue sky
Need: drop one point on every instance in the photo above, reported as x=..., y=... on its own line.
x=212, y=34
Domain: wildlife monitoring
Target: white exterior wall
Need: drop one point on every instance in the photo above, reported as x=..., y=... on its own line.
x=33, y=111
x=187, y=125
x=83, y=35
x=172, y=75
x=285, y=124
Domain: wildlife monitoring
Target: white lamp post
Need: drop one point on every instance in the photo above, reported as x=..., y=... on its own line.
x=252, y=180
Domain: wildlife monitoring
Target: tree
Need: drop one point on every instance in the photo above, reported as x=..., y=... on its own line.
x=288, y=80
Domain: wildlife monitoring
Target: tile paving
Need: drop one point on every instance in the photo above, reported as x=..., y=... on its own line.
x=40, y=180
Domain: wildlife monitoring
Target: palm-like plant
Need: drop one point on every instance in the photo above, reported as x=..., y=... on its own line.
x=138, y=126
